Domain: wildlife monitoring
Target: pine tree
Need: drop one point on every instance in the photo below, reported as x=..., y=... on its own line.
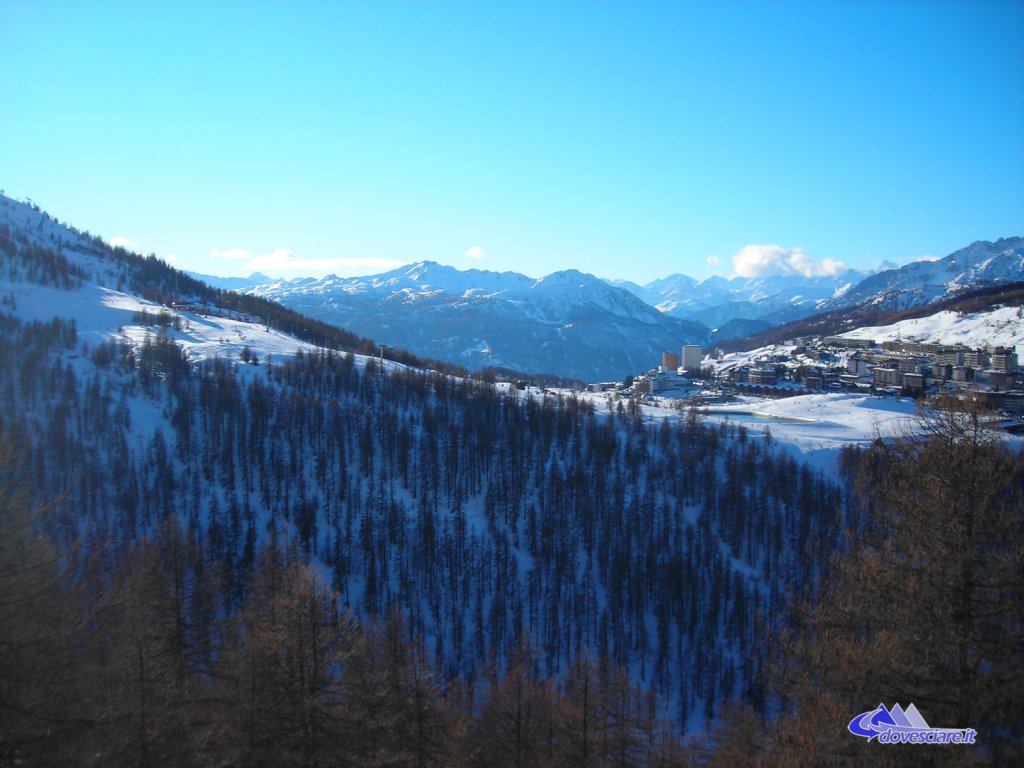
x=286, y=686
x=517, y=725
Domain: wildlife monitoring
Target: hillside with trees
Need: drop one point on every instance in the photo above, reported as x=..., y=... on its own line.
x=340, y=560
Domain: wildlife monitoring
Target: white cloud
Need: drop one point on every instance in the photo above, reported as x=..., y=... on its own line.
x=123, y=242
x=713, y=261
x=765, y=260
x=476, y=252
x=171, y=258
x=281, y=258
x=284, y=260
x=232, y=254
x=926, y=257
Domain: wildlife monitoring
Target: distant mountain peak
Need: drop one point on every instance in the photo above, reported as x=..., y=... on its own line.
x=568, y=275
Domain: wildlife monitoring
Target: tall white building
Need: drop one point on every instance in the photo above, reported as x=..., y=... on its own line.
x=691, y=358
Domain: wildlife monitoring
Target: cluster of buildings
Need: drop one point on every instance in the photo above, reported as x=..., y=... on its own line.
x=829, y=364
x=913, y=366
x=678, y=371
x=672, y=374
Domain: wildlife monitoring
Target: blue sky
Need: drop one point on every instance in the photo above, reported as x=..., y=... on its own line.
x=631, y=140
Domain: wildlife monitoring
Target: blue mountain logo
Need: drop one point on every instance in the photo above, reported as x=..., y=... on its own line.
x=905, y=726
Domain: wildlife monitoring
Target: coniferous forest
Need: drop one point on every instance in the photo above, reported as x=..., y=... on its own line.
x=341, y=560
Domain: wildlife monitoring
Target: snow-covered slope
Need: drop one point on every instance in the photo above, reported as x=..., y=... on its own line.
x=568, y=322
x=52, y=270
x=103, y=314
x=1002, y=327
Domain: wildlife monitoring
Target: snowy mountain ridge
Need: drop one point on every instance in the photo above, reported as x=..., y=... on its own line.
x=925, y=282
x=774, y=298
x=428, y=279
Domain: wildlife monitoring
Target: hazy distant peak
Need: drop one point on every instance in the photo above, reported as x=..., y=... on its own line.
x=677, y=280
x=716, y=281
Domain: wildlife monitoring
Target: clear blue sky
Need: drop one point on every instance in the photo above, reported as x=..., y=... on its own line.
x=631, y=140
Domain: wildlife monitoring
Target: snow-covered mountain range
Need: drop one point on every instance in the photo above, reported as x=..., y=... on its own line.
x=777, y=299
x=576, y=325
x=569, y=322
x=717, y=301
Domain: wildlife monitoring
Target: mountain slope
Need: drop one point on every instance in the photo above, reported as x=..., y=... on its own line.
x=924, y=282
x=38, y=250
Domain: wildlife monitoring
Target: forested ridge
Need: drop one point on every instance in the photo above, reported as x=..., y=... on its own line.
x=342, y=561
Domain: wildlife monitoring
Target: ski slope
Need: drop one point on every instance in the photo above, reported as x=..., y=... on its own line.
x=1003, y=327
x=101, y=314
